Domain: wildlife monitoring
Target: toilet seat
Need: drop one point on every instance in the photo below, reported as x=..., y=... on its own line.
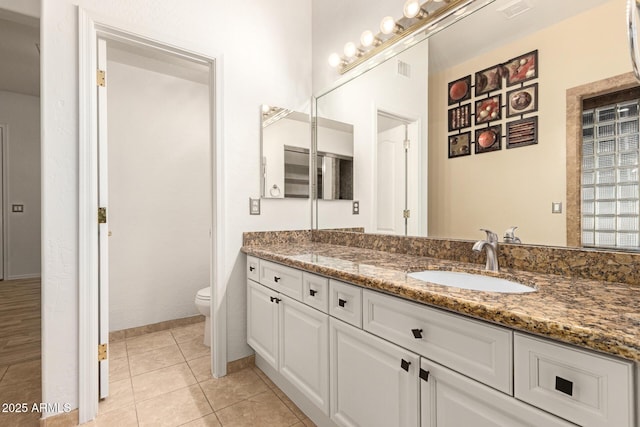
x=204, y=294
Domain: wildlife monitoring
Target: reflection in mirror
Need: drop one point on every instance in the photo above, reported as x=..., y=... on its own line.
x=495, y=189
x=334, y=160
x=285, y=146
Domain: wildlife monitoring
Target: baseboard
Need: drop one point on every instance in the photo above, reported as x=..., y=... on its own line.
x=23, y=276
x=154, y=327
x=240, y=364
x=66, y=419
x=314, y=413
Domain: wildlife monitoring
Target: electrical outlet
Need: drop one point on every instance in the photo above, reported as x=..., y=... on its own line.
x=17, y=208
x=254, y=206
x=556, y=207
x=356, y=208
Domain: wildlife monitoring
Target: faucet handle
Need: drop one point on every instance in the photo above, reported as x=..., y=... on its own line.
x=509, y=235
x=491, y=236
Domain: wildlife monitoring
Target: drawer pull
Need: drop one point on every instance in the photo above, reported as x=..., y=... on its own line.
x=405, y=365
x=312, y=292
x=417, y=333
x=341, y=302
x=564, y=386
x=276, y=279
x=251, y=268
x=276, y=300
x=424, y=375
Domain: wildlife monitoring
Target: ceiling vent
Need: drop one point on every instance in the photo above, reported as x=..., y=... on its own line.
x=404, y=69
x=515, y=8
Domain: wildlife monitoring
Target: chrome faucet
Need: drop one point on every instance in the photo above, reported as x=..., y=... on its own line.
x=510, y=236
x=490, y=245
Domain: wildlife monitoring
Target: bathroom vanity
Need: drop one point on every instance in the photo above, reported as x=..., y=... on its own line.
x=353, y=340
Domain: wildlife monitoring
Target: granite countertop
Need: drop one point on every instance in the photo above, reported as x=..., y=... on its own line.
x=601, y=316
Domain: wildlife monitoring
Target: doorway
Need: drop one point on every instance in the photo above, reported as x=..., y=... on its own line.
x=92, y=244
x=397, y=175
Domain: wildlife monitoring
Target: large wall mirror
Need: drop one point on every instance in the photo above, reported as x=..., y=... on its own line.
x=411, y=172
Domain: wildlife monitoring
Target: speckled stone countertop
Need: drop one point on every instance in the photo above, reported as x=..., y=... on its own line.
x=598, y=315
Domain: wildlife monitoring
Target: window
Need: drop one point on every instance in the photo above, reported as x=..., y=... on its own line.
x=610, y=199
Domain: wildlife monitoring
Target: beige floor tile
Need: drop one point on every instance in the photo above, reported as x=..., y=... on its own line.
x=155, y=383
x=117, y=350
x=264, y=378
x=174, y=408
x=189, y=332
x=121, y=417
x=20, y=420
x=119, y=369
x=210, y=420
x=264, y=410
x=194, y=348
x=26, y=391
x=120, y=396
x=289, y=404
x=201, y=368
x=308, y=423
x=155, y=359
x=149, y=342
x=233, y=388
x=22, y=372
x=3, y=369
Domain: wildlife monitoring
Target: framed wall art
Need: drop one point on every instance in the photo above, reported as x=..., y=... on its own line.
x=460, y=145
x=460, y=90
x=522, y=132
x=489, y=139
x=522, y=100
x=488, y=80
x=521, y=68
x=459, y=117
x=489, y=109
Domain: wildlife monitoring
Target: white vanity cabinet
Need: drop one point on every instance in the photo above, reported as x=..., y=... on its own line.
x=290, y=336
x=373, y=383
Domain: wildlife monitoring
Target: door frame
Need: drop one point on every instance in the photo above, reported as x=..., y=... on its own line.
x=4, y=200
x=90, y=28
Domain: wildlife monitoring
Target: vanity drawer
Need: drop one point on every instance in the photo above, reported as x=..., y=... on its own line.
x=583, y=387
x=253, y=266
x=315, y=291
x=345, y=302
x=476, y=349
x=282, y=279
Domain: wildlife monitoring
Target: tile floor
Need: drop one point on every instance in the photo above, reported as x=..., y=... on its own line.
x=162, y=379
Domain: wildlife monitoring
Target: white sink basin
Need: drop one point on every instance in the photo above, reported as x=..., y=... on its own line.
x=476, y=282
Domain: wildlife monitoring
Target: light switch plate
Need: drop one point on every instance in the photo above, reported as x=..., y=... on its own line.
x=17, y=208
x=254, y=206
x=556, y=207
x=356, y=207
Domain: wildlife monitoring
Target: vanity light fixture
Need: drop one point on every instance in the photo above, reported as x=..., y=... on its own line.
x=417, y=17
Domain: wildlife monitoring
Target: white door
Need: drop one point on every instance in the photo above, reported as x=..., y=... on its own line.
x=449, y=399
x=304, y=350
x=373, y=383
x=103, y=227
x=262, y=321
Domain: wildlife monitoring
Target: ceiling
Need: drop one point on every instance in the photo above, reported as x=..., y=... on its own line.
x=19, y=56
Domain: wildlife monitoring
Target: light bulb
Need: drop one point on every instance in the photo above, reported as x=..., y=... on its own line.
x=350, y=50
x=412, y=9
x=334, y=60
x=387, y=25
x=366, y=38
x=460, y=11
x=265, y=108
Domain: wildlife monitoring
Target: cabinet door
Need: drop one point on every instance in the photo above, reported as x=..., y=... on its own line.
x=449, y=399
x=304, y=350
x=373, y=382
x=262, y=321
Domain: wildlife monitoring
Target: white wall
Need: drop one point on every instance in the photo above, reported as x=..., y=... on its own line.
x=21, y=114
x=266, y=58
x=159, y=195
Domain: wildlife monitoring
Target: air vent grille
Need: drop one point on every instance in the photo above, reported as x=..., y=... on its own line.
x=404, y=69
x=515, y=8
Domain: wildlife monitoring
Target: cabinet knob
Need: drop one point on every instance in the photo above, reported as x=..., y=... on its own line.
x=251, y=268
x=276, y=300
x=341, y=302
x=405, y=365
x=312, y=292
x=417, y=333
x=276, y=278
x=564, y=386
x=424, y=375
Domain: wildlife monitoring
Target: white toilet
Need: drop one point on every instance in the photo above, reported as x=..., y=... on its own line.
x=203, y=303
